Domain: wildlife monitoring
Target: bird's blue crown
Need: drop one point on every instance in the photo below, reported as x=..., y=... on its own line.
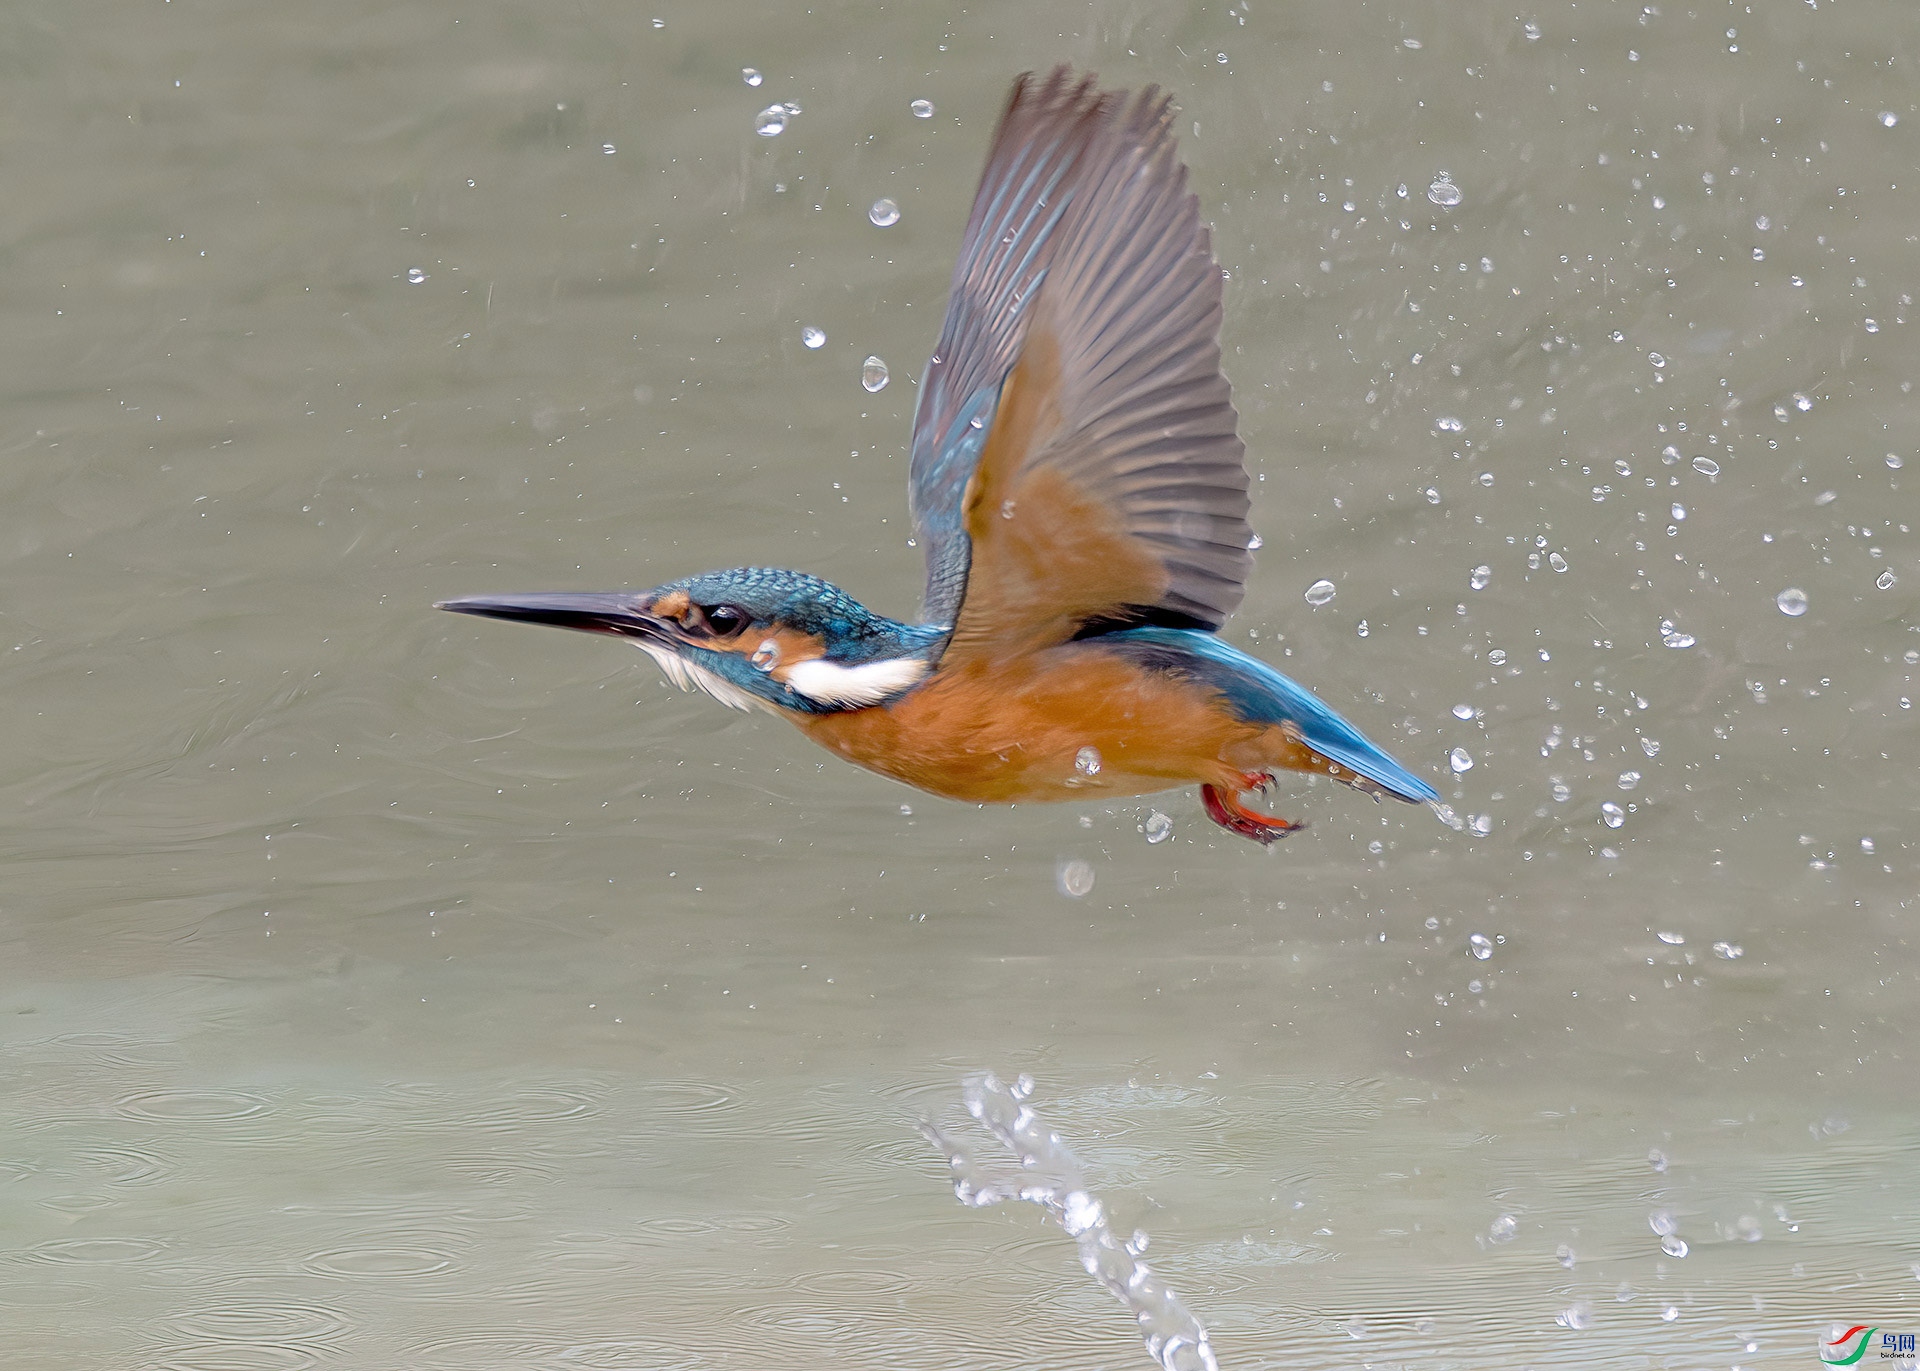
x=851, y=632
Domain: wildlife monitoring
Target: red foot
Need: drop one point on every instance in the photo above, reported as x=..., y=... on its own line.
x=1226, y=810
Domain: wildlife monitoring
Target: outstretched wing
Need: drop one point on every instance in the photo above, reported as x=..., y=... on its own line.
x=1075, y=461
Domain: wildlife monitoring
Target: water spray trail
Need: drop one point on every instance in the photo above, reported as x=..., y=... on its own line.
x=1048, y=1175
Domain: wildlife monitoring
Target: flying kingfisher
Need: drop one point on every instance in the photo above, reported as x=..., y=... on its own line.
x=1080, y=490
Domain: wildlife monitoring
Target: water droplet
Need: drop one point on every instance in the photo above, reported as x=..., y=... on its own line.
x=813, y=337
x=1460, y=760
x=1706, y=466
x=1503, y=1228
x=1480, y=945
x=1361, y=628
x=1158, y=827
x=1444, y=193
x=1803, y=403
x=1319, y=593
x=922, y=109
x=1888, y=118
x=1497, y=657
x=1463, y=711
x=1668, y=1313
x=1485, y=478
x=1674, y=1245
x=1446, y=423
x=1481, y=577
x=767, y=656
x=1629, y=779
x=1087, y=761
x=1556, y=561
x=1255, y=543
x=1662, y=1222
x=1561, y=792
x=1729, y=952
x=608, y=149
x=1894, y=461
x=771, y=121
x=1612, y=815
x=1792, y=602
x=906, y=809
x=1075, y=879
x=1575, y=1316
x=415, y=276
x=1006, y=509
x=884, y=214
x=1671, y=939
x=1080, y=1211
x=1885, y=580
x=1650, y=746
x=1480, y=825
x=750, y=76
x=1657, y=1159
x=1673, y=637
x=873, y=374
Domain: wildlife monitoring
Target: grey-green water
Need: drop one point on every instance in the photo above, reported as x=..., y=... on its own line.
x=383, y=989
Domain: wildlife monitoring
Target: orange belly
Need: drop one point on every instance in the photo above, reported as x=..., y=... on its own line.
x=1018, y=730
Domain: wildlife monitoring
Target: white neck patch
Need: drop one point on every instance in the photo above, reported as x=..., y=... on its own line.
x=829, y=683
x=690, y=677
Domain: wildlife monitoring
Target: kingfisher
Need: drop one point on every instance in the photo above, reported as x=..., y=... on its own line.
x=1080, y=489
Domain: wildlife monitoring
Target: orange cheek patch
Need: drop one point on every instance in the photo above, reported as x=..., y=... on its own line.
x=788, y=646
x=670, y=606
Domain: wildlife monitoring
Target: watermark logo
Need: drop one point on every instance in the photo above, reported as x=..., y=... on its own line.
x=1867, y=1345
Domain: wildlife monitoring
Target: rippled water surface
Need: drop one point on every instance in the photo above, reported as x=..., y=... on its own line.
x=389, y=989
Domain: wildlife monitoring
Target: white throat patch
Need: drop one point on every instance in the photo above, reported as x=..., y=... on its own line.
x=855, y=687
x=690, y=677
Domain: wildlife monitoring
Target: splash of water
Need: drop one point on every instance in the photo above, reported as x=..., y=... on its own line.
x=1047, y=1174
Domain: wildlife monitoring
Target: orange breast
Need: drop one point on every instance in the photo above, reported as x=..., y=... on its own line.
x=1014, y=729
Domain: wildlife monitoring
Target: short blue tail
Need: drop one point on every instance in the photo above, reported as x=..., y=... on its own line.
x=1260, y=694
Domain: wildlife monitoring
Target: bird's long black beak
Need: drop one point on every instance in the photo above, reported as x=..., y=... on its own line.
x=617, y=611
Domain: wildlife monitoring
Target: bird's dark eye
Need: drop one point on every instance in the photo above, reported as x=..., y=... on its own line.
x=724, y=621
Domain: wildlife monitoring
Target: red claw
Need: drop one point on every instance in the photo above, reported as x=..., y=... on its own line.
x=1226, y=810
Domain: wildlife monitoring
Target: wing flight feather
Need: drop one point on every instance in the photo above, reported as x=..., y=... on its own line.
x=1075, y=459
